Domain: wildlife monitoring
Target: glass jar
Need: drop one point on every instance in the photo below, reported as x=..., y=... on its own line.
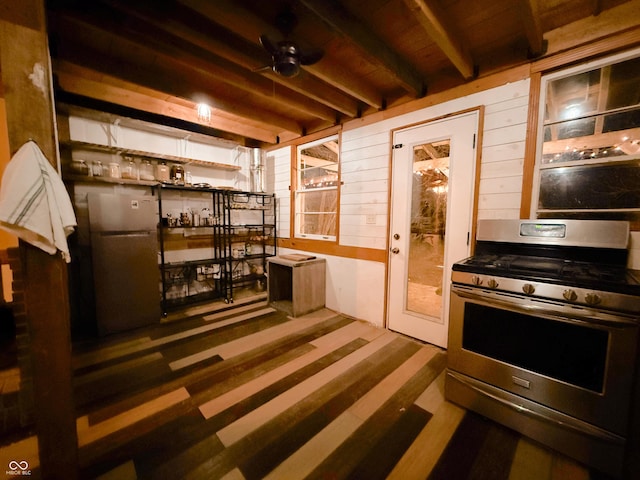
x=114, y=170
x=162, y=172
x=130, y=169
x=177, y=174
x=97, y=169
x=79, y=167
x=146, y=171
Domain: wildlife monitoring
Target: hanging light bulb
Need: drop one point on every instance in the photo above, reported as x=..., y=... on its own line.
x=204, y=112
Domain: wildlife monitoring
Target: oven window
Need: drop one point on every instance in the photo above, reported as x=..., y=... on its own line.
x=563, y=351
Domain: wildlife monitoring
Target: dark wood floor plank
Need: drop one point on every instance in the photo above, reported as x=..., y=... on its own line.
x=348, y=456
x=468, y=438
x=241, y=452
x=254, y=401
x=496, y=454
x=295, y=428
x=386, y=453
x=261, y=355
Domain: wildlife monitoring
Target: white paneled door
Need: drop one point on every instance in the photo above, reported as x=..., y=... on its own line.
x=433, y=178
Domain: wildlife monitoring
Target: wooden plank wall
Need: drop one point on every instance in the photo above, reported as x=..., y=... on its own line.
x=365, y=154
x=278, y=182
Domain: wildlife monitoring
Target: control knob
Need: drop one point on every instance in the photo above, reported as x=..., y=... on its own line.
x=528, y=288
x=493, y=283
x=476, y=280
x=592, y=299
x=570, y=295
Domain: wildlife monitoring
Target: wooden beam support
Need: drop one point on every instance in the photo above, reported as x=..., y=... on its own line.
x=251, y=27
x=343, y=21
x=236, y=67
x=532, y=26
x=26, y=80
x=434, y=22
x=111, y=90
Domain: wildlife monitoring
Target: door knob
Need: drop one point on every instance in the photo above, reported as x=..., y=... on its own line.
x=395, y=250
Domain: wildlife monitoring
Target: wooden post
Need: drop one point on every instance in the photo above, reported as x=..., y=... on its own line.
x=26, y=81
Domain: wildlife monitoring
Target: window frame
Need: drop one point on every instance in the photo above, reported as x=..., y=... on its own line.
x=539, y=167
x=297, y=192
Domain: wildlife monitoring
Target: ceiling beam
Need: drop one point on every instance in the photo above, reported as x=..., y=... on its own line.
x=229, y=12
x=434, y=21
x=530, y=14
x=145, y=36
x=343, y=21
x=79, y=81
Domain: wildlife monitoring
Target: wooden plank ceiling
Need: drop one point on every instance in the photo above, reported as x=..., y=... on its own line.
x=157, y=60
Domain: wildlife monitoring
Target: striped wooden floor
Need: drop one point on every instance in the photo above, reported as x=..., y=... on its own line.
x=250, y=393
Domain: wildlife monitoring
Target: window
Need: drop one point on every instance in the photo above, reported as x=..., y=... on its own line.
x=317, y=180
x=589, y=161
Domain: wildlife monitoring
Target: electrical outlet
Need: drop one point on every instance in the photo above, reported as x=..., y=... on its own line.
x=371, y=219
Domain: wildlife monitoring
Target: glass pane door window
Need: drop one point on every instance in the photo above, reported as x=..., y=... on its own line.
x=318, y=177
x=430, y=185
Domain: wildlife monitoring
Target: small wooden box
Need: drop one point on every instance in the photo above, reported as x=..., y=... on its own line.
x=296, y=286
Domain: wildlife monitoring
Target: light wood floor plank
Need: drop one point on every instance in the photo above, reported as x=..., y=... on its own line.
x=368, y=404
x=266, y=412
x=100, y=355
x=22, y=450
x=103, y=355
x=425, y=451
x=307, y=458
x=236, y=311
x=325, y=344
x=114, y=369
x=90, y=433
x=531, y=462
x=244, y=344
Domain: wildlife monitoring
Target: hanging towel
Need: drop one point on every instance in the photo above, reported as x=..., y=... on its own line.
x=34, y=204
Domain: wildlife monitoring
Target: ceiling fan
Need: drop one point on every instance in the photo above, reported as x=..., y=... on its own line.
x=286, y=55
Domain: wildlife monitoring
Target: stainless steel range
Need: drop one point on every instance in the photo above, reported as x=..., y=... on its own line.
x=544, y=327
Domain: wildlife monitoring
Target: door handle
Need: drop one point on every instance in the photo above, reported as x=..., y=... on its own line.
x=395, y=250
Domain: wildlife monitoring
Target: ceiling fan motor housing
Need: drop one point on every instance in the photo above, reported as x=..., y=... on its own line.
x=286, y=59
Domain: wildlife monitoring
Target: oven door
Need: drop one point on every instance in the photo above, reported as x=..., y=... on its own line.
x=573, y=360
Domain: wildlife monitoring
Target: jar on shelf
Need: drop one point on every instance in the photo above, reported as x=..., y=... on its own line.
x=162, y=172
x=79, y=167
x=114, y=170
x=177, y=174
x=146, y=171
x=129, y=169
x=97, y=169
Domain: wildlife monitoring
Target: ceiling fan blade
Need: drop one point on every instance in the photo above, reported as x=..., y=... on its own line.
x=311, y=57
x=268, y=45
x=262, y=69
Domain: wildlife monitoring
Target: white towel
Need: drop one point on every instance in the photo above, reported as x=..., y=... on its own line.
x=34, y=204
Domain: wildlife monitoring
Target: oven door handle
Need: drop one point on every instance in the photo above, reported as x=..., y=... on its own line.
x=565, y=423
x=560, y=312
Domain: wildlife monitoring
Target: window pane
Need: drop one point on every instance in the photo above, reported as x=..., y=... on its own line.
x=319, y=165
x=613, y=186
x=317, y=188
x=590, y=165
x=323, y=224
